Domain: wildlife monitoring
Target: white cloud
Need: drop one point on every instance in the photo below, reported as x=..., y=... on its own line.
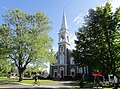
x=115, y=4
x=72, y=41
x=78, y=19
x=55, y=49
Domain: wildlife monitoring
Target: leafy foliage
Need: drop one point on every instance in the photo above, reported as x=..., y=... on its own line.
x=98, y=40
x=26, y=38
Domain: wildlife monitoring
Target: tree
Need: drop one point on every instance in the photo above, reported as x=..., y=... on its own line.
x=26, y=38
x=4, y=64
x=98, y=40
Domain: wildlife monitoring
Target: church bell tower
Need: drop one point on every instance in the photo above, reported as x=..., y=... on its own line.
x=64, y=65
x=64, y=41
x=63, y=45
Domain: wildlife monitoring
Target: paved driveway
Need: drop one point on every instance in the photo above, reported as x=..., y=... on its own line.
x=50, y=85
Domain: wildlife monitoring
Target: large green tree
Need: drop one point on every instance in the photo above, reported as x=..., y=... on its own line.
x=4, y=64
x=26, y=37
x=98, y=40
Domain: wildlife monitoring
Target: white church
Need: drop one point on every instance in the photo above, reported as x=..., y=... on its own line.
x=65, y=65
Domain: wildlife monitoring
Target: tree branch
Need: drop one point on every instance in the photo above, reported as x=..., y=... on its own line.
x=28, y=61
x=14, y=60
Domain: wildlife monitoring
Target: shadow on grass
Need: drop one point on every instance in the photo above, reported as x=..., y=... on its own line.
x=4, y=81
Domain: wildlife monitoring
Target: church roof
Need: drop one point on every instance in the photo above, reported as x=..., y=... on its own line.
x=64, y=22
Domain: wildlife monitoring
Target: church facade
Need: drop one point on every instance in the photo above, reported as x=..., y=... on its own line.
x=65, y=65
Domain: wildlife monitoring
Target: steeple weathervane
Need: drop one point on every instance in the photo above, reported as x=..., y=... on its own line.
x=64, y=22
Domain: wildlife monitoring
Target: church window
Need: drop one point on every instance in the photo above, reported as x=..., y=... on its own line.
x=84, y=70
x=55, y=73
x=62, y=37
x=61, y=58
x=62, y=49
x=61, y=72
x=80, y=70
x=68, y=38
x=72, y=72
x=57, y=61
x=87, y=69
x=72, y=60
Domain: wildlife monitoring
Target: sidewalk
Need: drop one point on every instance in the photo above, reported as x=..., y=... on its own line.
x=50, y=85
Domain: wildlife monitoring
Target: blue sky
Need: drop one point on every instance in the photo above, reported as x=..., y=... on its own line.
x=75, y=11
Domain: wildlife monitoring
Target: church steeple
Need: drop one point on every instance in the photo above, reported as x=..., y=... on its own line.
x=64, y=22
x=64, y=32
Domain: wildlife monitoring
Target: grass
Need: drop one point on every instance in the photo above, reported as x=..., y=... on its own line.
x=5, y=79
x=109, y=88
x=32, y=81
x=8, y=80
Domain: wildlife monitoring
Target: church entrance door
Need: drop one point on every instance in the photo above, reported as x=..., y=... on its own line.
x=73, y=72
x=62, y=72
x=55, y=73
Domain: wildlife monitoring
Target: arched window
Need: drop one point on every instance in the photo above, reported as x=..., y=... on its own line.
x=61, y=58
x=72, y=61
x=68, y=38
x=55, y=73
x=62, y=38
x=62, y=49
x=80, y=70
x=61, y=72
x=72, y=71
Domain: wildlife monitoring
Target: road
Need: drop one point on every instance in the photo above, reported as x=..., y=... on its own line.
x=50, y=85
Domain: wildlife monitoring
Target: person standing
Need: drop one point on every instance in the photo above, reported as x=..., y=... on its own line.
x=36, y=79
x=116, y=81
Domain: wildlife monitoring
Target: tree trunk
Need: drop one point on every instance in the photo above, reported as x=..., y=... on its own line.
x=20, y=74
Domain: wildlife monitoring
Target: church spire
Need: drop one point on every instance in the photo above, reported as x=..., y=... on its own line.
x=64, y=22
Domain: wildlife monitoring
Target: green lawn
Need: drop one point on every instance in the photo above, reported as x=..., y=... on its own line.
x=32, y=81
x=109, y=88
x=5, y=79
